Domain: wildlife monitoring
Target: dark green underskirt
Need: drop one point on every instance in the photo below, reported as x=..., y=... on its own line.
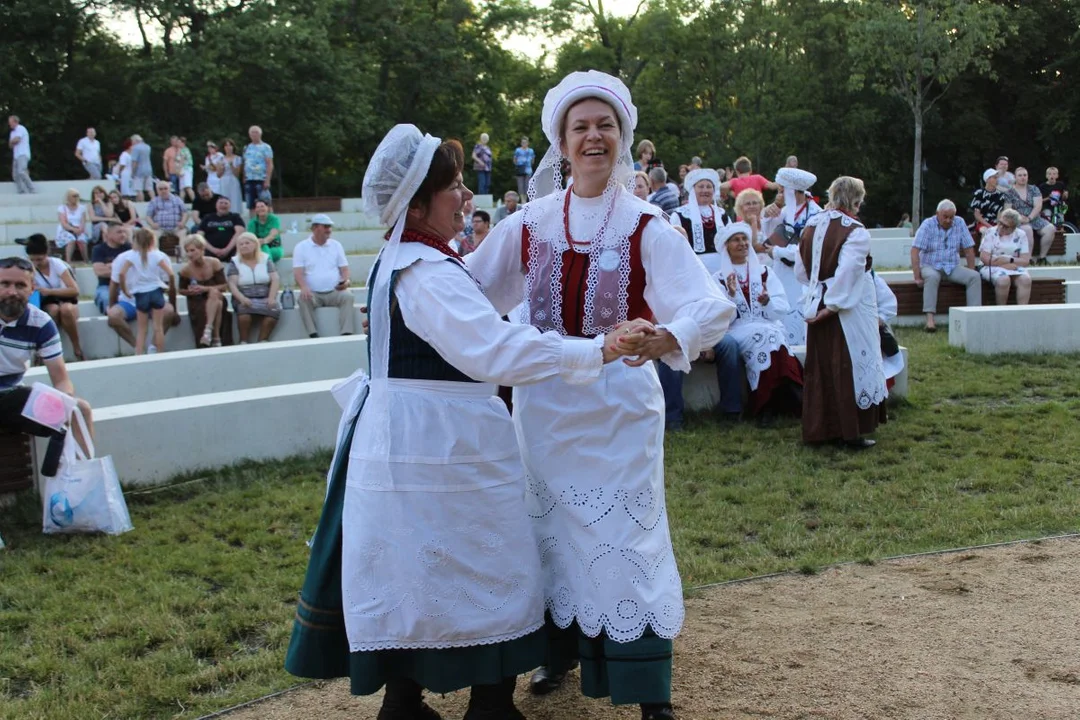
x=319, y=647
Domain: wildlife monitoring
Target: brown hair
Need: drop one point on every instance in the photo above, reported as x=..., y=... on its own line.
x=447, y=163
x=143, y=240
x=742, y=165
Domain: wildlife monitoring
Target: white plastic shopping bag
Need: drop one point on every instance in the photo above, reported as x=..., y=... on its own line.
x=48, y=406
x=85, y=494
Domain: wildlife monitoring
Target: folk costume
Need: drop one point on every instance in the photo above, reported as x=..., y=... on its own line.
x=701, y=221
x=773, y=373
x=892, y=360
x=595, y=454
x=424, y=572
x=793, y=220
x=844, y=392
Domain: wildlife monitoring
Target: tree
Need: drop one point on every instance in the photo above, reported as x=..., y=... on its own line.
x=915, y=49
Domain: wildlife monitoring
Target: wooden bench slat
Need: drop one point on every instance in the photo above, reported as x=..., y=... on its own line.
x=909, y=295
x=16, y=462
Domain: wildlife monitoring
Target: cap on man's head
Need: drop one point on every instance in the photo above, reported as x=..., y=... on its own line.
x=989, y=174
x=322, y=219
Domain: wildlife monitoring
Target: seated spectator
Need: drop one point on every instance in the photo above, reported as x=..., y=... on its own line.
x=641, y=185
x=1055, y=197
x=701, y=217
x=266, y=226
x=725, y=355
x=254, y=283
x=745, y=177
x=166, y=212
x=25, y=332
x=481, y=226
x=748, y=208
x=662, y=195
x=114, y=243
x=204, y=204
x=647, y=159
x=71, y=233
x=935, y=255
x=221, y=230
x=905, y=221
x=1005, y=178
x=987, y=201
x=774, y=375
x=509, y=206
x=1005, y=256
x=124, y=210
x=101, y=213
x=203, y=283
x=59, y=292
x=139, y=275
x=321, y=271
x=1026, y=200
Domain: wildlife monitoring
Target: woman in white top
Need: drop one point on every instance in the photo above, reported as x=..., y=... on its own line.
x=71, y=232
x=700, y=217
x=140, y=276
x=59, y=292
x=229, y=169
x=582, y=260
x=214, y=160
x=1005, y=256
x=424, y=572
x=774, y=375
x=254, y=282
x=123, y=168
x=796, y=211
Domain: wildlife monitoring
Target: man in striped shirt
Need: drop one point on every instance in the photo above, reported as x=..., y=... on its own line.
x=25, y=331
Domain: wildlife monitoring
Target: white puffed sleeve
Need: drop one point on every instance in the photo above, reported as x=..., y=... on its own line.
x=802, y=273
x=845, y=290
x=496, y=264
x=789, y=253
x=778, y=305
x=444, y=307
x=886, y=299
x=681, y=294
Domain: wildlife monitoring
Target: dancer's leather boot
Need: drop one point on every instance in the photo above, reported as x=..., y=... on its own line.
x=404, y=700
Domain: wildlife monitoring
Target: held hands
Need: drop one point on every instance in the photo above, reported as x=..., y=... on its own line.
x=644, y=341
x=625, y=339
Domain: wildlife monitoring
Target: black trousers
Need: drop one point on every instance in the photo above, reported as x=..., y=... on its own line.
x=12, y=401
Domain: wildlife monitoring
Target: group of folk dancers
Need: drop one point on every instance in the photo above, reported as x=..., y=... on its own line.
x=459, y=546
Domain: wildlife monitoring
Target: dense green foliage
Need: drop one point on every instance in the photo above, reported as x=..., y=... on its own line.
x=766, y=78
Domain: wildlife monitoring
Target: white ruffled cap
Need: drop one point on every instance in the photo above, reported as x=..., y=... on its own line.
x=574, y=87
x=724, y=234
x=396, y=171
x=794, y=180
x=695, y=176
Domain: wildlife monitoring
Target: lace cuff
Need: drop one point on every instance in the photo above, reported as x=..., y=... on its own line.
x=688, y=335
x=582, y=359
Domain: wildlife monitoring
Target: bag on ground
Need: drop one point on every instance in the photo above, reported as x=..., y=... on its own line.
x=85, y=495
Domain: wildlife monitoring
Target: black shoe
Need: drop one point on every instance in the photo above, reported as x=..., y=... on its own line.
x=313, y=335
x=493, y=702
x=657, y=712
x=859, y=444
x=404, y=701
x=544, y=680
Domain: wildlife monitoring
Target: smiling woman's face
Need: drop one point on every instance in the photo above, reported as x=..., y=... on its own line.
x=591, y=138
x=445, y=214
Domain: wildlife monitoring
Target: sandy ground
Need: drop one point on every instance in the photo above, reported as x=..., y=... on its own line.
x=977, y=635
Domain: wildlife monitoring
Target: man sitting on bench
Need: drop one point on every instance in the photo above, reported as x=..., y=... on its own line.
x=935, y=256
x=24, y=331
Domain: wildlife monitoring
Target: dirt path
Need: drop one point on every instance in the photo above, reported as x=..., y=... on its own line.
x=985, y=635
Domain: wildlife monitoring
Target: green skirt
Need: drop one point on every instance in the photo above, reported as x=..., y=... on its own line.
x=319, y=647
x=629, y=673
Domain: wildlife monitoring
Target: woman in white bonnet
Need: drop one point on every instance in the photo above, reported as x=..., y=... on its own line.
x=582, y=260
x=783, y=244
x=423, y=573
x=701, y=216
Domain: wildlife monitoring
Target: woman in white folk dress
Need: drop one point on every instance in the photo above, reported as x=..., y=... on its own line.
x=1005, y=255
x=773, y=373
x=783, y=246
x=700, y=217
x=424, y=573
x=582, y=260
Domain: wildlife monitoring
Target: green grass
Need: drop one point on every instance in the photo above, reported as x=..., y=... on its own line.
x=191, y=612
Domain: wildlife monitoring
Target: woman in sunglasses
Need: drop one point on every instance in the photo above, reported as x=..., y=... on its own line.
x=1005, y=255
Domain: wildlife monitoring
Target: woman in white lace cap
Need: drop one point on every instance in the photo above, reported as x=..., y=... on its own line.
x=581, y=261
x=423, y=573
x=783, y=245
x=701, y=216
x=844, y=388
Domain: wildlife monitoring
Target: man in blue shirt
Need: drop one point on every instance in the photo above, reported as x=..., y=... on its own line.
x=25, y=331
x=258, y=168
x=935, y=254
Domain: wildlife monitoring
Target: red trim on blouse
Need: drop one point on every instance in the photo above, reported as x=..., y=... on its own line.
x=432, y=241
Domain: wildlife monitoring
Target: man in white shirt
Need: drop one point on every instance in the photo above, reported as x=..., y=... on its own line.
x=321, y=271
x=88, y=151
x=19, y=142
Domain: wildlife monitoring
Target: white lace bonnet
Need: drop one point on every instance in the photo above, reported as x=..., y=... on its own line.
x=574, y=87
x=794, y=180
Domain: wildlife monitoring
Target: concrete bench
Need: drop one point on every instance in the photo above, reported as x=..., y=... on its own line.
x=700, y=391
x=1072, y=291
x=909, y=295
x=1016, y=329
x=125, y=380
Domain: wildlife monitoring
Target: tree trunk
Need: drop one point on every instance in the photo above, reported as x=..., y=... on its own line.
x=916, y=172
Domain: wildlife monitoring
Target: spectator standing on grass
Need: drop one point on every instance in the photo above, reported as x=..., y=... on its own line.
x=935, y=256
x=140, y=276
x=221, y=230
x=254, y=283
x=266, y=226
x=185, y=166
x=1026, y=200
x=258, y=168
x=166, y=212
x=71, y=231
x=204, y=204
x=142, y=172
x=210, y=166
x=55, y=284
x=987, y=201
x=19, y=142
x=662, y=195
x=27, y=332
x=844, y=389
x=481, y=157
x=1005, y=256
x=524, y=157
x=88, y=152
x=508, y=208
x=321, y=271
x=202, y=281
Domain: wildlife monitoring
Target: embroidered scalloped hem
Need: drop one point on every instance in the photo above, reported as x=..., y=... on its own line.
x=648, y=620
x=432, y=645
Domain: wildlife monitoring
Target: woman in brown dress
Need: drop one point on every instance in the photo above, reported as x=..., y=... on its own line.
x=202, y=282
x=844, y=389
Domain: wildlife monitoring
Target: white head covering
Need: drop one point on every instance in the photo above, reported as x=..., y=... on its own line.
x=693, y=177
x=794, y=180
x=396, y=171
x=574, y=87
x=753, y=265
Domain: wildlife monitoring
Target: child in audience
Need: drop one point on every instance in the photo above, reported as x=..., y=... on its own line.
x=140, y=276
